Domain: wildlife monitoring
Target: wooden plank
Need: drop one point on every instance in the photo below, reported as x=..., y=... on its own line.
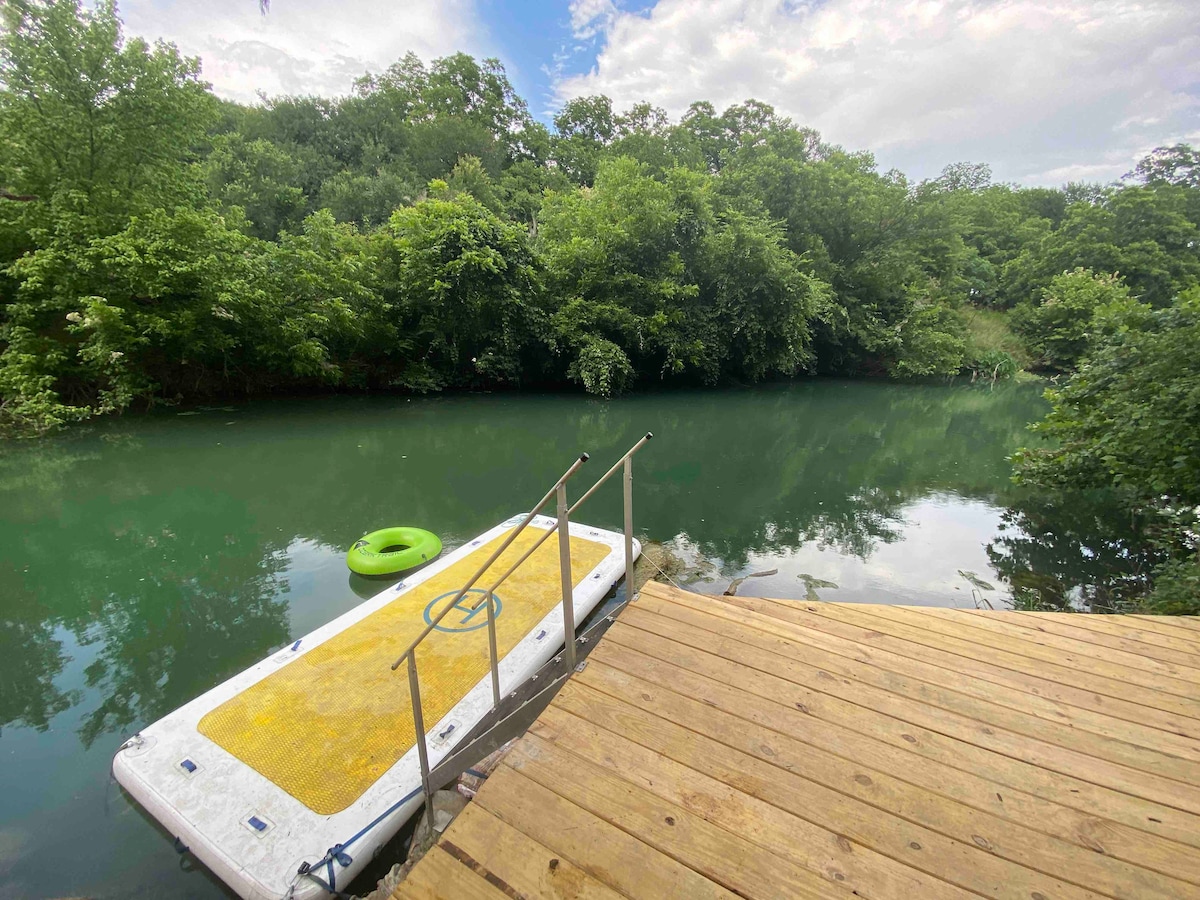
x=1170, y=625
x=863, y=616
x=509, y=859
x=1176, y=791
x=438, y=876
x=981, y=861
x=710, y=849
x=1066, y=625
x=721, y=747
x=793, y=709
x=792, y=639
x=608, y=854
x=777, y=830
x=1016, y=825
x=1122, y=626
x=1105, y=673
x=985, y=672
x=1192, y=622
x=1158, y=626
x=993, y=623
x=679, y=623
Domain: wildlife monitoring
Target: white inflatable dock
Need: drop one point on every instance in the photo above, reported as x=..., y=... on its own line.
x=291, y=776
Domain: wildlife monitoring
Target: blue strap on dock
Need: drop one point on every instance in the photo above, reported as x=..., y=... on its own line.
x=337, y=853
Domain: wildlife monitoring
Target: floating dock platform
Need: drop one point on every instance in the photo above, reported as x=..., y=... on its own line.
x=720, y=747
x=286, y=779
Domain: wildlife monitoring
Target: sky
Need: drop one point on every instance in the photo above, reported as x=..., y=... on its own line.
x=1044, y=91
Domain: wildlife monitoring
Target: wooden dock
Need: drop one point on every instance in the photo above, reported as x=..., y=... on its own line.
x=741, y=747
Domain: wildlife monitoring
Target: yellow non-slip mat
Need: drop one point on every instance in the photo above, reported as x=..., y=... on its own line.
x=327, y=725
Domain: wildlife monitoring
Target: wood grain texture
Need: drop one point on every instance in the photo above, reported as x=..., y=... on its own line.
x=719, y=747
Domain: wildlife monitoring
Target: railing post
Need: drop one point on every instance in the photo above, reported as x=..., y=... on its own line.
x=414, y=688
x=493, y=656
x=629, y=592
x=564, y=561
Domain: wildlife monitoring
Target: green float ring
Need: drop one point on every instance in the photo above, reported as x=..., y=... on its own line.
x=370, y=554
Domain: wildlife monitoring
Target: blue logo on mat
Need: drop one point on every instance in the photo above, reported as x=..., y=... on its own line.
x=462, y=617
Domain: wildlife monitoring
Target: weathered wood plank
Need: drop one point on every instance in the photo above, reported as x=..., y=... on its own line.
x=986, y=671
x=739, y=746
x=792, y=709
x=1124, y=626
x=831, y=691
x=607, y=853
x=1106, y=676
x=860, y=614
x=509, y=859
x=441, y=877
x=812, y=665
x=1015, y=825
x=768, y=826
x=789, y=638
x=710, y=849
x=993, y=624
x=646, y=749
x=1186, y=625
x=1069, y=626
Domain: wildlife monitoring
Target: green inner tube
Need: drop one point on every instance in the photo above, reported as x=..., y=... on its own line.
x=392, y=550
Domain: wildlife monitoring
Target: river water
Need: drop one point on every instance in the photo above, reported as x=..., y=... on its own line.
x=146, y=559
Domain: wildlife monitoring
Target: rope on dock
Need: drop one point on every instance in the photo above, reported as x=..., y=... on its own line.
x=661, y=571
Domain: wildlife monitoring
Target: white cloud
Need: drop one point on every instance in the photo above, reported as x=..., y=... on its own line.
x=1042, y=89
x=303, y=46
x=591, y=17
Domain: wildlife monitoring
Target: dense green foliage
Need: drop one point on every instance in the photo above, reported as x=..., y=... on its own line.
x=425, y=232
x=1057, y=329
x=1129, y=419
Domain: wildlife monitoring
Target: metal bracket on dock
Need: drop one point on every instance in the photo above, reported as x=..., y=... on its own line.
x=518, y=710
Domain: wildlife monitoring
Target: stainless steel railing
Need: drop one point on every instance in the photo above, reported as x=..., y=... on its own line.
x=562, y=528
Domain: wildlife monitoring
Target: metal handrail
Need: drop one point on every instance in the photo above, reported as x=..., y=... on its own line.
x=583, y=457
x=574, y=506
x=562, y=528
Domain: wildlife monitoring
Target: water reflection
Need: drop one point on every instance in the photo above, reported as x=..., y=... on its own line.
x=163, y=543
x=1071, y=552
x=172, y=586
x=837, y=466
x=33, y=658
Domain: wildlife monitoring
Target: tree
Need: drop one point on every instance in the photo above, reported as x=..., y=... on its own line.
x=1058, y=329
x=889, y=253
x=465, y=293
x=469, y=177
x=93, y=121
x=964, y=176
x=665, y=277
x=1145, y=233
x=258, y=177
x=1130, y=415
x=584, y=126
x=1129, y=420
x=431, y=116
x=100, y=130
x=1178, y=164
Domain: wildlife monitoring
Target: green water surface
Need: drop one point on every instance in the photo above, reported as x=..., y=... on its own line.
x=146, y=559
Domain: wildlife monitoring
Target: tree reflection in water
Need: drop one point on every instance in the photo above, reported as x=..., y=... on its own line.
x=157, y=550
x=1077, y=552
x=164, y=590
